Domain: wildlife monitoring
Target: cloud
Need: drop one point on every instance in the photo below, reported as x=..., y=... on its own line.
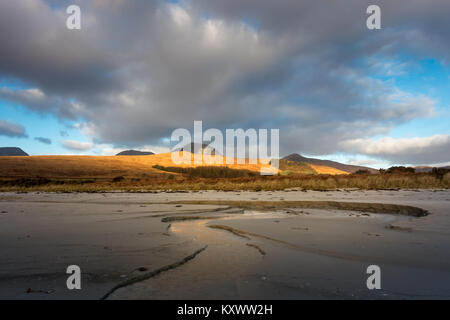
x=11, y=129
x=433, y=149
x=43, y=140
x=36, y=100
x=139, y=69
x=77, y=145
x=366, y=163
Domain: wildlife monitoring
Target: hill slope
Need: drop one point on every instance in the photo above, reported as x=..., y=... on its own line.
x=77, y=167
x=428, y=168
x=107, y=167
x=12, y=151
x=327, y=163
x=287, y=167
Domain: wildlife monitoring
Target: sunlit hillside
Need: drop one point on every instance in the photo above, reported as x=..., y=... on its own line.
x=288, y=167
x=326, y=170
x=100, y=166
x=128, y=166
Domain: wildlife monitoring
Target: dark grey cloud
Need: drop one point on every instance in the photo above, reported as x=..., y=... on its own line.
x=331, y=22
x=39, y=50
x=43, y=140
x=139, y=69
x=12, y=129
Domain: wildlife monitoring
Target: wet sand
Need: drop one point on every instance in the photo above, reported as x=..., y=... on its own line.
x=157, y=246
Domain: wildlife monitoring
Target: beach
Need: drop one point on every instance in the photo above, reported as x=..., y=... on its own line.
x=290, y=244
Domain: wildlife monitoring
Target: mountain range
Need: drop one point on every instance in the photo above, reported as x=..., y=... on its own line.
x=428, y=168
x=328, y=163
x=307, y=164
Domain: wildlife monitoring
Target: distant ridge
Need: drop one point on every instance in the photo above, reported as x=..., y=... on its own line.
x=134, y=153
x=12, y=151
x=337, y=165
x=428, y=168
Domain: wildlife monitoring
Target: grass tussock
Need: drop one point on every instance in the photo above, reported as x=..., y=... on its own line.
x=187, y=218
x=224, y=179
x=208, y=172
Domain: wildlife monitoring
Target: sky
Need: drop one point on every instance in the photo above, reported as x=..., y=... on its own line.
x=137, y=70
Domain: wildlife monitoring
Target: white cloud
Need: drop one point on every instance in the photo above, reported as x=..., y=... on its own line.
x=366, y=163
x=418, y=150
x=77, y=145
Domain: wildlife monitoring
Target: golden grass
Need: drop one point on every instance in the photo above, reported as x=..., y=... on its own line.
x=288, y=167
x=136, y=173
x=106, y=167
x=74, y=166
x=82, y=167
x=326, y=170
x=179, y=182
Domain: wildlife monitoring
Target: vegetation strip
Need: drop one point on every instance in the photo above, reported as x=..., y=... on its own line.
x=217, y=179
x=209, y=171
x=329, y=205
x=149, y=275
x=257, y=248
x=185, y=218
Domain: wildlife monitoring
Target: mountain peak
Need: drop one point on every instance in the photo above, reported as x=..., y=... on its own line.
x=12, y=151
x=295, y=157
x=134, y=153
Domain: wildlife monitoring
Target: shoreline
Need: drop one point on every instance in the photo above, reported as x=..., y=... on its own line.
x=273, y=252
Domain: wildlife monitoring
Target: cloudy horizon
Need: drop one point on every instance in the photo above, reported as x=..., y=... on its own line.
x=137, y=70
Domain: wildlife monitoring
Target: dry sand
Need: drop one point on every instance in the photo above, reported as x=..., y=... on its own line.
x=126, y=250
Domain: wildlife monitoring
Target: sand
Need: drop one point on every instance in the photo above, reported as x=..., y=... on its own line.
x=148, y=246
